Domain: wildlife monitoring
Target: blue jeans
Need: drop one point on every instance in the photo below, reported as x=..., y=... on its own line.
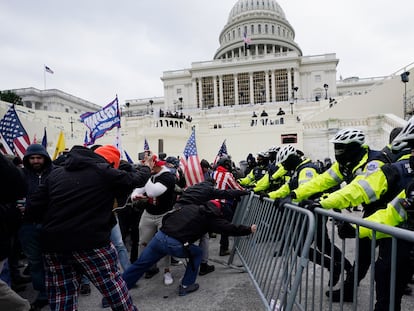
x=29, y=236
x=116, y=239
x=160, y=246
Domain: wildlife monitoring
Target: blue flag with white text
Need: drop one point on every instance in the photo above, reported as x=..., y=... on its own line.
x=102, y=121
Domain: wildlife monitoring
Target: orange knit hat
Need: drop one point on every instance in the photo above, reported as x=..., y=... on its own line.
x=110, y=153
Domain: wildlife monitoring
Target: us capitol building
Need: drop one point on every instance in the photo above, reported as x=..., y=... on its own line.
x=258, y=72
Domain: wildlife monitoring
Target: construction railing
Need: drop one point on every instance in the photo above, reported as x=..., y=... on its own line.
x=284, y=258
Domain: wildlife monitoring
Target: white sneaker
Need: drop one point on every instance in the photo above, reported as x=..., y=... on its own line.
x=168, y=280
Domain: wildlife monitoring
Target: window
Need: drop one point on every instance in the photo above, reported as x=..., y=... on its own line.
x=266, y=28
x=259, y=28
x=318, y=78
x=273, y=29
x=252, y=29
x=289, y=138
x=178, y=91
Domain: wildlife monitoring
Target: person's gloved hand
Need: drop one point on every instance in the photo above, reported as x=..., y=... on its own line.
x=346, y=231
x=263, y=195
x=310, y=204
x=280, y=203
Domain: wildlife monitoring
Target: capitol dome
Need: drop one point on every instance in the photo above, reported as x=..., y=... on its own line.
x=262, y=24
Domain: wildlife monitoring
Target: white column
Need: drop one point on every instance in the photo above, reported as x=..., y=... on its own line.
x=273, y=86
x=200, y=93
x=267, y=86
x=193, y=95
x=236, y=90
x=221, y=102
x=215, y=99
x=289, y=85
x=251, y=88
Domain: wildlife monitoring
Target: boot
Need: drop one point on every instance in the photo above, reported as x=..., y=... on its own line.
x=336, y=274
x=205, y=268
x=348, y=293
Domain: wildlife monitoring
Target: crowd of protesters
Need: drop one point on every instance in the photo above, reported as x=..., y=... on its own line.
x=148, y=215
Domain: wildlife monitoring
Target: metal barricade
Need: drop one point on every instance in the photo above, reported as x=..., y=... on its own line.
x=276, y=255
x=296, y=259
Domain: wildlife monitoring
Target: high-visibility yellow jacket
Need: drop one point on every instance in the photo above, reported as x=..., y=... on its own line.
x=394, y=215
x=266, y=181
x=255, y=174
x=371, y=186
x=335, y=175
x=304, y=172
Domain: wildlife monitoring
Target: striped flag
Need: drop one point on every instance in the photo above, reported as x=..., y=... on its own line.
x=146, y=146
x=221, y=153
x=191, y=163
x=13, y=136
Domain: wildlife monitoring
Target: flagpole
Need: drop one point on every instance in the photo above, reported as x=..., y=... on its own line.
x=44, y=77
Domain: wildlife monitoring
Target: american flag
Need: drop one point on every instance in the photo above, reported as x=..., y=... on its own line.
x=47, y=69
x=191, y=163
x=13, y=136
x=222, y=152
x=246, y=40
x=146, y=146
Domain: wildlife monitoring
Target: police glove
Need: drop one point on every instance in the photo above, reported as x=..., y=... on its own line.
x=263, y=195
x=310, y=204
x=346, y=230
x=280, y=203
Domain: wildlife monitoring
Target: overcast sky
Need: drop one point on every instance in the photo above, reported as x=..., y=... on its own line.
x=100, y=48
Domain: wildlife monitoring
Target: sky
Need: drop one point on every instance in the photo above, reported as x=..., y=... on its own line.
x=100, y=48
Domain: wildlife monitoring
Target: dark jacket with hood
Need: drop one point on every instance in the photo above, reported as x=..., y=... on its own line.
x=194, y=215
x=12, y=187
x=75, y=202
x=35, y=179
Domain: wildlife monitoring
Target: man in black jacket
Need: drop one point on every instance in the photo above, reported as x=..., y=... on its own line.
x=12, y=186
x=74, y=206
x=192, y=217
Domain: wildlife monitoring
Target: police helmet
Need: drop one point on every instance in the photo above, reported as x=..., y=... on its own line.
x=405, y=136
x=284, y=153
x=348, y=136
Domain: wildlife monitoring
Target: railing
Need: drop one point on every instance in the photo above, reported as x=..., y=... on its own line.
x=285, y=264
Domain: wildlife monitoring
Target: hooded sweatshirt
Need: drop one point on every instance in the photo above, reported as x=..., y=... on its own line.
x=75, y=202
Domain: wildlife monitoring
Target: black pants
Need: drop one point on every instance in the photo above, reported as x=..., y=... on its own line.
x=383, y=273
x=228, y=212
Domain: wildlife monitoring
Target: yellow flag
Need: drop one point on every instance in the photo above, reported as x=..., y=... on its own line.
x=60, y=145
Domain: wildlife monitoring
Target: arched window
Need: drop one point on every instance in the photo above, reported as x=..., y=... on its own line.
x=252, y=29
x=273, y=29
x=259, y=28
x=266, y=28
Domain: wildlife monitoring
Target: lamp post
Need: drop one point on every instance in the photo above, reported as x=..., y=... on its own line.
x=151, y=102
x=71, y=127
x=291, y=107
x=405, y=79
x=325, y=86
x=296, y=93
x=180, y=99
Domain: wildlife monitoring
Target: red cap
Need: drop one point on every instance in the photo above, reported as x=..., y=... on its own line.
x=157, y=161
x=216, y=203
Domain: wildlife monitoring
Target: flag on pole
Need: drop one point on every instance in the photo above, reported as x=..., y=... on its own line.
x=60, y=145
x=221, y=153
x=190, y=162
x=246, y=40
x=44, y=140
x=102, y=121
x=128, y=157
x=13, y=136
x=146, y=146
x=47, y=69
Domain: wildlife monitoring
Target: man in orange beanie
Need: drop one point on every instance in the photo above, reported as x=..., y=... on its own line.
x=111, y=154
x=74, y=206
